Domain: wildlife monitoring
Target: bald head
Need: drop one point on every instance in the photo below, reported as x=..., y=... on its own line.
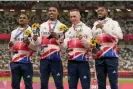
x=74, y=16
x=102, y=12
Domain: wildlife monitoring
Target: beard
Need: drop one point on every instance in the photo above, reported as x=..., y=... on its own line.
x=52, y=18
x=21, y=25
x=102, y=18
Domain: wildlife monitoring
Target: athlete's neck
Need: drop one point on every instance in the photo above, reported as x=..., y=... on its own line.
x=23, y=26
x=76, y=23
x=53, y=19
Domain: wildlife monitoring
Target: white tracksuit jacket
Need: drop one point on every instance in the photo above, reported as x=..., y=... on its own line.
x=49, y=48
x=79, y=48
x=24, y=52
x=107, y=38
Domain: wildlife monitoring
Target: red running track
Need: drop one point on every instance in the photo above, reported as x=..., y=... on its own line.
x=36, y=85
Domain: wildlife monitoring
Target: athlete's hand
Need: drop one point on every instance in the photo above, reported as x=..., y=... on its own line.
x=27, y=41
x=35, y=37
x=61, y=40
x=94, y=50
x=99, y=26
x=54, y=35
x=10, y=44
x=80, y=37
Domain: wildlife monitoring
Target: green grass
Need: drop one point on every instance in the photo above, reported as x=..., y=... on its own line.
x=126, y=80
x=37, y=79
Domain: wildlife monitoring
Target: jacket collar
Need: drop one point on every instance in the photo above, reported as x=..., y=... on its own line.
x=104, y=21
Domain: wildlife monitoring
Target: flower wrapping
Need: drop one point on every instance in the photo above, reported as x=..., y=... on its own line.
x=36, y=28
x=27, y=33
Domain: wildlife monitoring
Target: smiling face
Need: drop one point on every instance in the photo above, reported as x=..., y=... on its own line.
x=23, y=20
x=53, y=13
x=74, y=17
x=102, y=12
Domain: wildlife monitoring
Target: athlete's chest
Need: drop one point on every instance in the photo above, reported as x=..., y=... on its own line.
x=46, y=30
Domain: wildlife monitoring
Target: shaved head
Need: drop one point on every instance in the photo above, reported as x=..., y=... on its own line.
x=102, y=12
x=74, y=16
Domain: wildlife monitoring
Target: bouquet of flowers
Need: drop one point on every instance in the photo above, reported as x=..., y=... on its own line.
x=27, y=33
x=93, y=42
x=63, y=28
x=36, y=28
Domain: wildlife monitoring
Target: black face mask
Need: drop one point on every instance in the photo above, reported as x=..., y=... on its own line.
x=102, y=18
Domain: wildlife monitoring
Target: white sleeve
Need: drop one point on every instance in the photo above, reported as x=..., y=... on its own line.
x=11, y=40
x=89, y=34
x=115, y=31
x=85, y=40
x=65, y=42
x=93, y=29
x=32, y=44
x=39, y=39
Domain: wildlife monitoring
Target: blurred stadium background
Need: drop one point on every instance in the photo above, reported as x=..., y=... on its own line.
x=122, y=11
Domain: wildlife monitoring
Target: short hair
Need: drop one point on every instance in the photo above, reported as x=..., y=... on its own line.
x=103, y=7
x=55, y=6
x=25, y=14
x=74, y=10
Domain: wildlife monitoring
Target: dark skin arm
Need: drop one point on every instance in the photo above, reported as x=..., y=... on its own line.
x=35, y=37
x=54, y=35
x=27, y=42
x=10, y=44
